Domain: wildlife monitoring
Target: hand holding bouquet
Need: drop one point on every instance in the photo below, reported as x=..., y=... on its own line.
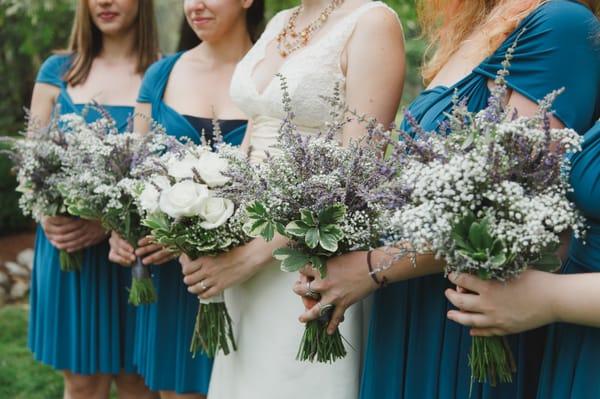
x=187, y=208
x=39, y=160
x=491, y=200
x=316, y=193
x=104, y=168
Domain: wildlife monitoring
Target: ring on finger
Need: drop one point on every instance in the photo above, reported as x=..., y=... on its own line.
x=203, y=286
x=324, y=309
x=310, y=293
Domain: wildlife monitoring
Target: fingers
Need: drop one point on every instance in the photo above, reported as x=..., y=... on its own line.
x=65, y=239
x=213, y=290
x=467, y=281
x=195, y=277
x=116, y=241
x=65, y=228
x=312, y=313
x=147, y=249
x=466, y=302
x=188, y=266
x=123, y=258
x=309, y=271
x=336, y=318
x=145, y=241
x=469, y=319
x=160, y=257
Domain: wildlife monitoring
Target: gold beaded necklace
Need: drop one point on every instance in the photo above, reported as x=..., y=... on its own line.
x=289, y=40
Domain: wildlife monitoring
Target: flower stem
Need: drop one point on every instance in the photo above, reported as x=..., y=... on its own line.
x=70, y=261
x=491, y=360
x=213, y=330
x=142, y=289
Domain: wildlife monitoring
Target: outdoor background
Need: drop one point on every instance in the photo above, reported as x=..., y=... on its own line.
x=29, y=31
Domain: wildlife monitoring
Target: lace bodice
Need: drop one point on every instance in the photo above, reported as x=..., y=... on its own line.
x=311, y=72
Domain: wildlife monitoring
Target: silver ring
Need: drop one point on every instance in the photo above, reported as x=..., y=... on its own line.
x=310, y=293
x=323, y=309
x=203, y=286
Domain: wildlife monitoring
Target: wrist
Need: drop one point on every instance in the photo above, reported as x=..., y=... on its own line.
x=375, y=261
x=551, y=296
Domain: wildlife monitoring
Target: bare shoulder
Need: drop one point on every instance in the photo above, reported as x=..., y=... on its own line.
x=380, y=22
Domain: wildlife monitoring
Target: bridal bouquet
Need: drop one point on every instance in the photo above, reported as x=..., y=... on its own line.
x=490, y=199
x=38, y=159
x=104, y=168
x=187, y=208
x=316, y=193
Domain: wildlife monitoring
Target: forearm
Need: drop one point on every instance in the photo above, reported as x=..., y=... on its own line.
x=407, y=267
x=575, y=298
x=258, y=253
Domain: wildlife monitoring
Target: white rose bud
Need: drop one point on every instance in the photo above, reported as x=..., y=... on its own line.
x=183, y=199
x=215, y=212
x=150, y=195
x=182, y=169
x=211, y=168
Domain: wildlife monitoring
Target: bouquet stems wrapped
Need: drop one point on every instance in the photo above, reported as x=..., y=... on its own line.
x=490, y=199
x=38, y=158
x=318, y=194
x=188, y=210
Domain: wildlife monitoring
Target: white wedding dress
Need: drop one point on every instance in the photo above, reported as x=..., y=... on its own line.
x=264, y=309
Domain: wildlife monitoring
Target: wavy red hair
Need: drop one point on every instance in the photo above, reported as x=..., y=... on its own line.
x=447, y=23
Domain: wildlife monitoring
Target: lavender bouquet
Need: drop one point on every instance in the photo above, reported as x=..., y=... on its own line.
x=490, y=199
x=104, y=170
x=39, y=160
x=187, y=208
x=316, y=193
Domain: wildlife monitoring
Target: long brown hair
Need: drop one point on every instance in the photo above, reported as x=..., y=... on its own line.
x=447, y=23
x=86, y=41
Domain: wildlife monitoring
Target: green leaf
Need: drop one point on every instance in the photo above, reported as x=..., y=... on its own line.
x=291, y=259
x=476, y=232
x=280, y=228
x=254, y=227
x=460, y=240
x=312, y=237
x=497, y=247
x=498, y=260
x=297, y=228
x=320, y=264
x=332, y=215
x=269, y=231
x=486, y=237
x=308, y=218
x=257, y=210
x=332, y=230
x=330, y=241
x=548, y=262
x=464, y=224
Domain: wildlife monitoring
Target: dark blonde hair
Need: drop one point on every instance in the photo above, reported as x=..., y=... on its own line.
x=447, y=23
x=86, y=41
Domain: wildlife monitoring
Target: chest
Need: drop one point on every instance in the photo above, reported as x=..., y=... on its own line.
x=201, y=91
x=108, y=85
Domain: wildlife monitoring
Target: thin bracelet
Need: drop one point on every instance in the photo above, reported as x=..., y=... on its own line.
x=373, y=273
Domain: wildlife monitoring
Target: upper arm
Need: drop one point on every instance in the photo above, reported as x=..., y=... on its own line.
x=142, y=118
x=375, y=69
x=43, y=101
x=527, y=107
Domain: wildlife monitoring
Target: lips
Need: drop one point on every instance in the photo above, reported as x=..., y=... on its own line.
x=108, y=16
x=199, y=21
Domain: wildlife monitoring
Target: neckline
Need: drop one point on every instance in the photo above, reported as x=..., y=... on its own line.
x=211, y=119
x=288, y=59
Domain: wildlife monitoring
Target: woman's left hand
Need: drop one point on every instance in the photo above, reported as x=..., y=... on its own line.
x=347, y=282
x=501, y=308
x=208, y=276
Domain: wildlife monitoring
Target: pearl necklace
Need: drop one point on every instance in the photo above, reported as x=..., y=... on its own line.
x=289, y=40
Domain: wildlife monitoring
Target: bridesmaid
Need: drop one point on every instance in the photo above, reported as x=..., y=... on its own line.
x=183, y=92
x=413, y=352
x=80, y=322
x=570, y=367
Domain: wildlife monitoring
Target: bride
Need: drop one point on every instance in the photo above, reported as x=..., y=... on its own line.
x=359, y=44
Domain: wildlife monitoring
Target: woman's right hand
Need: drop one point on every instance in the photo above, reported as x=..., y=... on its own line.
x=121, y=251
x=72, y=234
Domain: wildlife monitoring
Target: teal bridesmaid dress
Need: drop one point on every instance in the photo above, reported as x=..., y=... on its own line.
x=164, y=329
x=80, y=321
x=414, y=351
x=572, y=356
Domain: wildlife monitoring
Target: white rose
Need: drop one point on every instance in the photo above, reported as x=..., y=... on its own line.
x=215, y=212
x=211, y=167
x=183, y=199
x=150, y=195
x=182, y=169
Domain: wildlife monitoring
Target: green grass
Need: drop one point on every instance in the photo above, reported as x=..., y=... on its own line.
x=21, y=377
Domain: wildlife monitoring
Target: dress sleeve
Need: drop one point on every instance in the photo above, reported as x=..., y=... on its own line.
x=53, y=69
x=150, y=82
x=557, y=46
